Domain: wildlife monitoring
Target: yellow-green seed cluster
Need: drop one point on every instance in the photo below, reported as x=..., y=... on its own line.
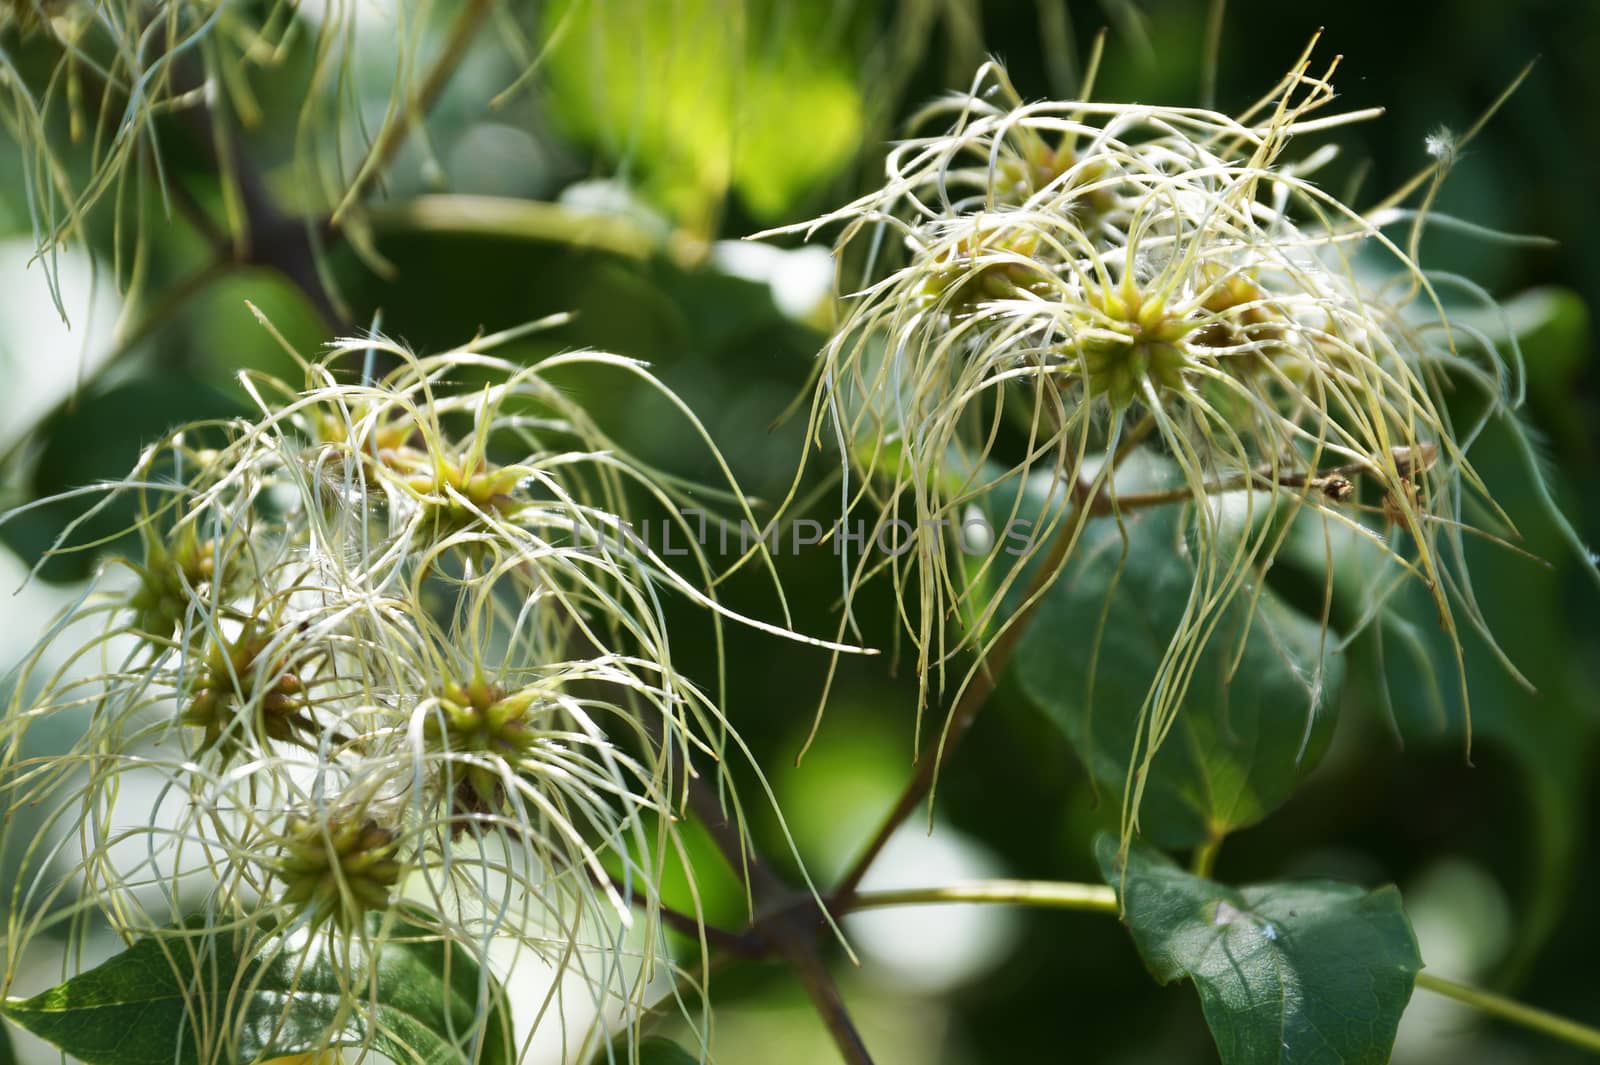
x=385, y=641
x=1038, y=291
x=337, y=869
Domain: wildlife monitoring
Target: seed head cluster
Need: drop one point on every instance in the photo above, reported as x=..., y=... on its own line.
x=380, y=645
x=1039, y=291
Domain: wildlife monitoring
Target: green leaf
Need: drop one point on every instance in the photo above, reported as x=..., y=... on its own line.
x=142, y=1006
x=696, y=102
x=1255, y=719
x=96, y=440
x=653, y=1051
x=1313, y=973
x=661, y=1052
x=8, y=1056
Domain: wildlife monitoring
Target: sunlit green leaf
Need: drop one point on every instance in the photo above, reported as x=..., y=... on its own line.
x=694, y=98
x=1313, y=973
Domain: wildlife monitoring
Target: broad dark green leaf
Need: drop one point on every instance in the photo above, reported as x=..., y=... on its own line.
x=652, y=1051
x=97, y=440
x=662, y=1052
x=157, y=1003
x=1247, y=733
x=1313, y=973
x=7, y=1055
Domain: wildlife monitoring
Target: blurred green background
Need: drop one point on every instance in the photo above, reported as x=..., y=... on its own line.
x=701, y=121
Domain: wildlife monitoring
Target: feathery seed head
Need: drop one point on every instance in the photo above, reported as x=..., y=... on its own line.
x=170, y=574
x=404, y=610
x=1039, y=289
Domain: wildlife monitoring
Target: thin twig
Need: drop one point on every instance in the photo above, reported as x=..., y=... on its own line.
x=967, y=707
x=788, y=922
x=1530, y=1017
x=1332, y=483
x=1093, y=898
x=463, y=31
x=813, y=974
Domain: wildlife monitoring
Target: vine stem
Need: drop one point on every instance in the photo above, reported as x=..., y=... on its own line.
x=1094, y=898
x=971, y=701
x=787, y=922
x=1100, y=898
x=503, y=216
x=1506, y=1009
x=463, y=31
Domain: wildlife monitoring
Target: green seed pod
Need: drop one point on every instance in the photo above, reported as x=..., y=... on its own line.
x=481, y=720
x=179, y=573
x=338, y=868
x=240, y=687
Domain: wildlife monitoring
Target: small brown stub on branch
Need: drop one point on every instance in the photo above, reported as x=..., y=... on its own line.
x=1338, y=489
